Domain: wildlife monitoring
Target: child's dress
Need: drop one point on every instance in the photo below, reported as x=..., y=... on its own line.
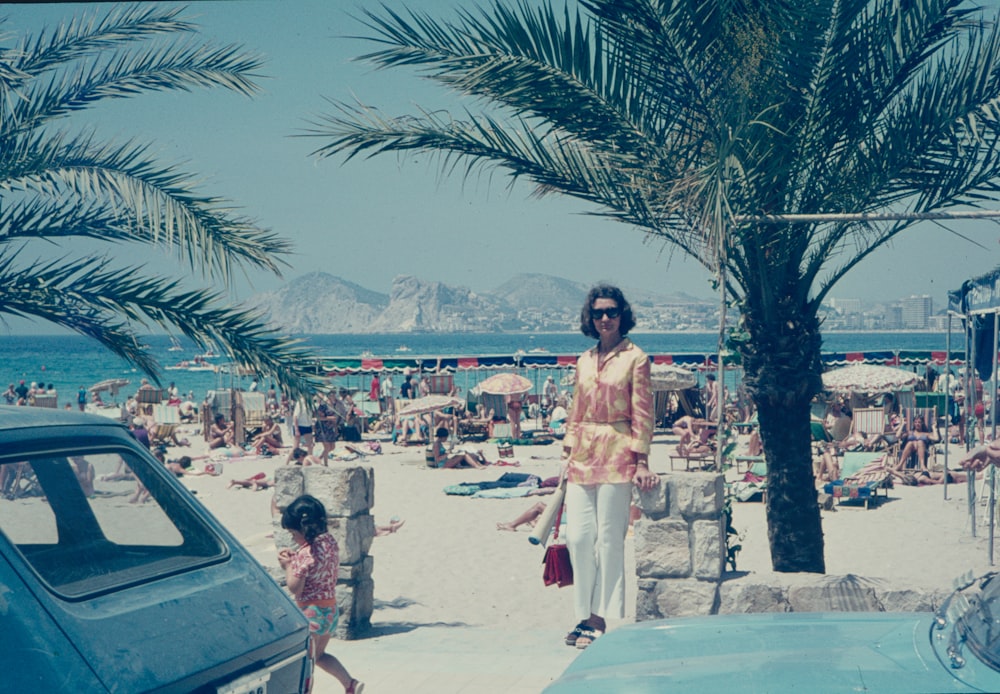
x=318, y=565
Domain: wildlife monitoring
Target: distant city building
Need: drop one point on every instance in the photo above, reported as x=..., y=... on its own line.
x=846, y=306
x=893, y=318
x=916, y=310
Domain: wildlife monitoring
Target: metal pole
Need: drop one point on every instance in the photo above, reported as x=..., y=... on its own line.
x=993, y=429
x=720, y=382
x=970, y=359
x=947, y=403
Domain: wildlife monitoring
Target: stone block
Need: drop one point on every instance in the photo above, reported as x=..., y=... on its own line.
x=357, y=572
x=655, y=502
x=344, y=491
x=355, y=602
x=748, y=596
x=662, y=548
x=686, y=597
x=911, y=600
x=288, y=485
x=833, y=594
x=646, y=607
x=354, y=536
x=697, y=495
x=708, y=549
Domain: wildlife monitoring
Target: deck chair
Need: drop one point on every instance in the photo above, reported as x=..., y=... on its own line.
x=868, y=420
x=929, y=415
x=754, y=482
x=167, y=420
x=862, y=475
x=440, y=384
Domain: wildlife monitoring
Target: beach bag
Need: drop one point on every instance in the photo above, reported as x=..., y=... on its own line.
x=505, y=450
x=558, y=568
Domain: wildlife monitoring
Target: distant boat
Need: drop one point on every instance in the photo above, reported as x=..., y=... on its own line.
x=210, y=354
x=367, y=354
x=175, y=345
x=538, y=350
x=403, y=348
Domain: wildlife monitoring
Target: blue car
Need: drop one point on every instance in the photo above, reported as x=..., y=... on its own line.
x=955, y=650
x=114, y=578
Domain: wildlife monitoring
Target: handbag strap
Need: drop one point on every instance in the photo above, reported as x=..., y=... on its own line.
x=555, y=536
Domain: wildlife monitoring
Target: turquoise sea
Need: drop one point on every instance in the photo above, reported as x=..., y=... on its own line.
x=69, y=361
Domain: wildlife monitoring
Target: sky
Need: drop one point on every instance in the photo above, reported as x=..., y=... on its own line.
x=370, y=220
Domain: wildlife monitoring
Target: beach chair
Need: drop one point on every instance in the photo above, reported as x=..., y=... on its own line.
x=148, y=395
x=862, y=475
x=754, y=482
x=440, y=384
x=868, y=420
x=168, y=418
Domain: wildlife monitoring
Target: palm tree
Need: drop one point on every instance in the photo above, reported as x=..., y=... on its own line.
x=693, y=120
x=56, y=185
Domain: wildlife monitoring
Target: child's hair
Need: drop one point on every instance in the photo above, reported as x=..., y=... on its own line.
x=441, y=433
x=184, y=461
x=307, y=515
x=298, y=454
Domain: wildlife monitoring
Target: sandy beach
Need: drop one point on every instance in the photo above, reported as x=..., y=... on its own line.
x=460, y=606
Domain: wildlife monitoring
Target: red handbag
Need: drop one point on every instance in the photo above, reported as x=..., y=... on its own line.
x=558, y=568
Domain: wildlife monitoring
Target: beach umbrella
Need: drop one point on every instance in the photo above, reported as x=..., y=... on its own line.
x=428, y=403
x=112, y=385
x=505, y=384
x=868, y=378
x=671, y=377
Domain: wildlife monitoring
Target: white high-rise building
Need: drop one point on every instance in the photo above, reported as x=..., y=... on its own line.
x=916, y=311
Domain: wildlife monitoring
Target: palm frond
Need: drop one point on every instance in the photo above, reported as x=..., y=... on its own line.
x=87, y=295
x=152, y=204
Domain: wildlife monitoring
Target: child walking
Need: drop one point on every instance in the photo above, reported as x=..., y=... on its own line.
x=311, y=575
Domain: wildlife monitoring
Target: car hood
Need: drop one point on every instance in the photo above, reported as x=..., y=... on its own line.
x=829, y=652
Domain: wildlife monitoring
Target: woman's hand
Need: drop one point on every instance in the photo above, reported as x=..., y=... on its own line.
x=644, y=479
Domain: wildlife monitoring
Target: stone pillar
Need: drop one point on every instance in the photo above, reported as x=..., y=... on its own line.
x=348, y=493
x=680, y=546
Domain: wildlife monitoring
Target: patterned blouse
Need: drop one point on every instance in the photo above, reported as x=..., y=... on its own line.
x=611, y=419
x=318, y=564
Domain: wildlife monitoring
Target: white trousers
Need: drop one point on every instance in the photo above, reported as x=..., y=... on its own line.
x=596, y=522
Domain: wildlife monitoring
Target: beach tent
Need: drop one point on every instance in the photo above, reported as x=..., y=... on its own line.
x=977, y=303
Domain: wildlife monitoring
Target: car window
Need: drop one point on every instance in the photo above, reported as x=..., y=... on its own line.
x=89, y=522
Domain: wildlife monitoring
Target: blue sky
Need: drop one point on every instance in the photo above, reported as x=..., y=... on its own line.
x=371, y=220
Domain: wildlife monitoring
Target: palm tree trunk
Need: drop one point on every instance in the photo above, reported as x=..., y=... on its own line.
x=782, y=375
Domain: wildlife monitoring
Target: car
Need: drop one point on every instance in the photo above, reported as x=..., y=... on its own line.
x=98, y=594
x=953, y=650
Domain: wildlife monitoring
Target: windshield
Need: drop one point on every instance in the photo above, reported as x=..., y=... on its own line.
x=90, y=521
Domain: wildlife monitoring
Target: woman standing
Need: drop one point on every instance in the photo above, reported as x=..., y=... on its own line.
x=606, y=450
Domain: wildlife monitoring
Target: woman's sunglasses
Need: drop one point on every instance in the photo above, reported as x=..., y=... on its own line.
x=598, y=313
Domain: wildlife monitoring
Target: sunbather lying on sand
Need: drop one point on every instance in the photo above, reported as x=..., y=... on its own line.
x=257, y=482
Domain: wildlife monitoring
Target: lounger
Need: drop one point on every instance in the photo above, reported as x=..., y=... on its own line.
x=754, y=482
x=862, y=475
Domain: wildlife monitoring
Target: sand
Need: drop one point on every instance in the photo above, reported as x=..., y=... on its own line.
x=452, y=577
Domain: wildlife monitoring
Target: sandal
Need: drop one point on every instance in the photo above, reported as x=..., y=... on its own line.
x=587, y=636
x=572, y=636
x=356, y=687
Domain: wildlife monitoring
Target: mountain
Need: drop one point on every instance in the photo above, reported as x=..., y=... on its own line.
x=416, y=305
x=320, y=303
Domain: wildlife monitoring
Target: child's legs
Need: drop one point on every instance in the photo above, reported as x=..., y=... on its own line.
x=327, y=662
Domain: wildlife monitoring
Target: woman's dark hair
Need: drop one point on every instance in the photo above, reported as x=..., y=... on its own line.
x=220, y=418
x=307, y=515
x=606, y=291
x=441, y=433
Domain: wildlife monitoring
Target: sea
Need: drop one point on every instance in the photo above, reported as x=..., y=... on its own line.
x=70, y=361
